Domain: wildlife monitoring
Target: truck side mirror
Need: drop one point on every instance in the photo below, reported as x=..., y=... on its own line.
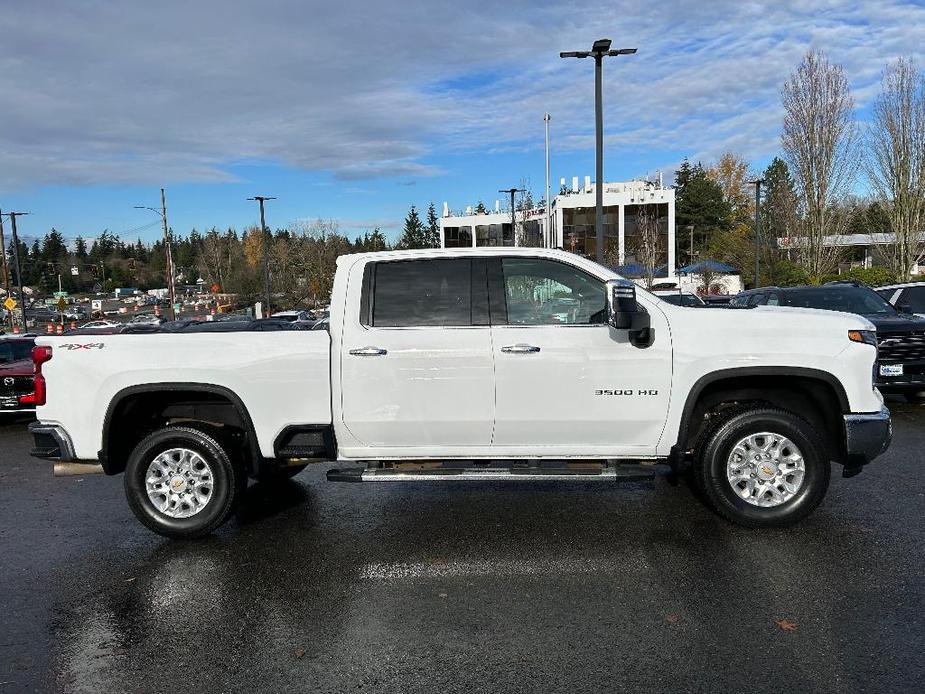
x=624, y=313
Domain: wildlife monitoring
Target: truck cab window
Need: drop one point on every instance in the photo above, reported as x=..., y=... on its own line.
x=417, y=293
x=546, y=292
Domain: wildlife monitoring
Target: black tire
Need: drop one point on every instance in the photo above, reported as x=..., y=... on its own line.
x=228, y=481
x=275, y=475
x=717, y=445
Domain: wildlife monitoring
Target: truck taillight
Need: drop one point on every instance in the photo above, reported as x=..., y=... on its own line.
x=39, y=356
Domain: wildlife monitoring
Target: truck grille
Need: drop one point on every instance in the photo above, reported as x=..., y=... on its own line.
x=14, y=386
x=901, y=347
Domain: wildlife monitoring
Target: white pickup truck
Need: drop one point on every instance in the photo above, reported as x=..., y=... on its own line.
x=472, y=364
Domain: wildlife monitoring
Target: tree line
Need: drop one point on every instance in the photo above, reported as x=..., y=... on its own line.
x=302, y=259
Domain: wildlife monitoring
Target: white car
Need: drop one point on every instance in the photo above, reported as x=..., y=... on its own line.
x=679, y=298
x=101, y=324
x=451, y=365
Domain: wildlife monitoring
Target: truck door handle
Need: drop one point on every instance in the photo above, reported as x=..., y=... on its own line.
x=520, y=349
x=368, y=352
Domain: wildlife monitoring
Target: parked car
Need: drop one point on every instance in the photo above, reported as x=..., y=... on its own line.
x=17, y=390
x=146, y=318
x=900, y=336
x=908, y=297
x=426, y=375
x=297, y=315
x=679, y=298
x=321, y=324
x=100, y=324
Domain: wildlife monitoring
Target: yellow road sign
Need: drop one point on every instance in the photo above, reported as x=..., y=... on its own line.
x=10, y=303
x=62, y=304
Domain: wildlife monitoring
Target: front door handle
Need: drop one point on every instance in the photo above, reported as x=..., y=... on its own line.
x=368, y=352
x=520, y=349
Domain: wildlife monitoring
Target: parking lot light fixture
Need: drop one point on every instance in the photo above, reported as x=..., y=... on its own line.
x=266, y=260
x=599, y=50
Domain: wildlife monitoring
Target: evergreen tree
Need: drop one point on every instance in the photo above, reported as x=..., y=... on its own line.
x=699, y=203
x=413, y=233
x=80, y=248
x=432, y=237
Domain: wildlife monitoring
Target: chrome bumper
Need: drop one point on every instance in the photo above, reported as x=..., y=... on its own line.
x=867, y=436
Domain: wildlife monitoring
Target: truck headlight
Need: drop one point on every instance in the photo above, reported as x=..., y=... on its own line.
x=867, y=337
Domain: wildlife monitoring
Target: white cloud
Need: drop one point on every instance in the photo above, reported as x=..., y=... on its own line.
x=175, y=91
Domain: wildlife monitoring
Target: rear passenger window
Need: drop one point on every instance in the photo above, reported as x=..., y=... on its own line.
x=414, y=293
x=914, y=298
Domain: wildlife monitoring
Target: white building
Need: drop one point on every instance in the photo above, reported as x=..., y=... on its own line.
x=859, y=250
x=571, y=223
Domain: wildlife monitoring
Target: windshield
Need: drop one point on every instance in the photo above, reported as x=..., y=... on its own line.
x=847, y=299
x=682, y=299
x=15, y=350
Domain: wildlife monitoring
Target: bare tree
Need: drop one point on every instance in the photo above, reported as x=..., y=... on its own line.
x=820, y=143
x=648, y=242
x=896, y=165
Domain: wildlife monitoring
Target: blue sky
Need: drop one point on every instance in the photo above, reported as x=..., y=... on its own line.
x=355, y=110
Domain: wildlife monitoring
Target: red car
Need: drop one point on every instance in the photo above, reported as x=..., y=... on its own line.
x=16, y=371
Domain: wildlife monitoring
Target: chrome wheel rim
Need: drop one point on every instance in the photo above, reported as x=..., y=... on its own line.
x=179, y=483
x=765, y=469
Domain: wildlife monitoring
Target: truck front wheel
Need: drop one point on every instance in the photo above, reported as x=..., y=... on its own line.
x=181, y=482
x=762, y=468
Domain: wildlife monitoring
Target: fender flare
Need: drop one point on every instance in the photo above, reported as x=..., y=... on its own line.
x=747, y=371
x=210, y=388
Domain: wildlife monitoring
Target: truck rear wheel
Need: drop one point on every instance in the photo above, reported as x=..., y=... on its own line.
x=762, y=468
x=181, y=482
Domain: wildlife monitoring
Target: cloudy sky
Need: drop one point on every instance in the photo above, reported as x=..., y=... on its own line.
x=355, y=110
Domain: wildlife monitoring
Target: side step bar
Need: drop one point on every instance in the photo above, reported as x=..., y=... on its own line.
x=605, y=473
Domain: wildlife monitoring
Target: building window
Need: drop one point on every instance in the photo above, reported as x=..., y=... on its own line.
x=457, y=237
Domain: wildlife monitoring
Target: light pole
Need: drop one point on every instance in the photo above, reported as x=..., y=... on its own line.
x=16, y=263
x=266, y=260
x=549, y=239
x=690, y=228
x=511, y=192
x=171, y=287
x=757, y=182
x=599, y=50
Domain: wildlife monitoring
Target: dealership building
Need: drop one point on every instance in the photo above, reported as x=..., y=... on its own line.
x=570, y=225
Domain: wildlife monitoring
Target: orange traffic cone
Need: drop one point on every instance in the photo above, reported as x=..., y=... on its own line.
x=16, y=330
x=51, y=329
x=60, y=329
x=73, y=325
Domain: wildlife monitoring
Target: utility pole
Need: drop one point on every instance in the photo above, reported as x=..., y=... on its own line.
x=757, y=182
x=511, y=192
x=550, y=242
x=266, y=260
x=171, y=273
x=16, y=264
x=6, y=269
x=599, y=50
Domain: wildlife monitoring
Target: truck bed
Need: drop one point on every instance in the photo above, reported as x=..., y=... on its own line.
x=283, y=378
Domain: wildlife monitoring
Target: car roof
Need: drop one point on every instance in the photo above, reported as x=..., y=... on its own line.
x=901, y=285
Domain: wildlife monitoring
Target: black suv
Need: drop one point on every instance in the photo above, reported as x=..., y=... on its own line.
x=900, y=336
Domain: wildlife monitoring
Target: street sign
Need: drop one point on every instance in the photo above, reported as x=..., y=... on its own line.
x=9, y=304
x=62, y=304
x=96, y=305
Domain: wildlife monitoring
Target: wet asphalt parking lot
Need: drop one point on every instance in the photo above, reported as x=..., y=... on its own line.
x=324, y=587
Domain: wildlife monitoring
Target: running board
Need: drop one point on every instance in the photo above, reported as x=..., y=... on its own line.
x=607, y=473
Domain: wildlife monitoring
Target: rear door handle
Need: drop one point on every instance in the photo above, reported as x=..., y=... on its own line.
x=520, y=349
x=368, y=352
